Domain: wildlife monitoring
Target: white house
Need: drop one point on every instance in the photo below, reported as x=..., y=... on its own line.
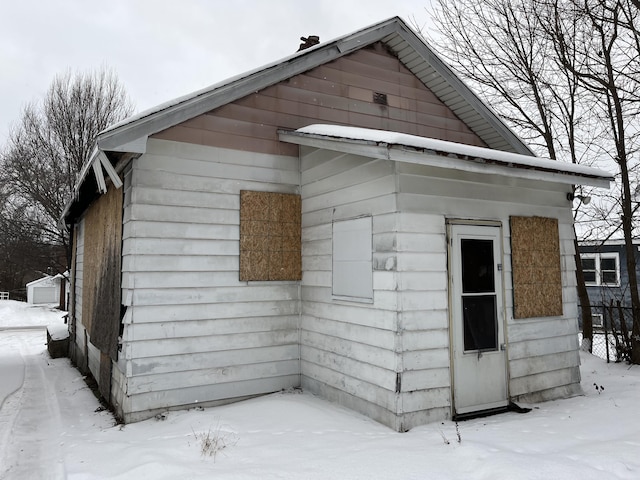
x=351, y=219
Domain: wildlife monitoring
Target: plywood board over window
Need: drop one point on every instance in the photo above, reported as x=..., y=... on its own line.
x=535, y=258
x=270, y=231
x=102, y=270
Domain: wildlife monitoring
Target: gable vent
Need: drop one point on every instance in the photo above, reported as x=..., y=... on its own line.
x=380, y=98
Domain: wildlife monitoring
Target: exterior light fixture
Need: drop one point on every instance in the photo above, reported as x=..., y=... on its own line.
x=584, y=199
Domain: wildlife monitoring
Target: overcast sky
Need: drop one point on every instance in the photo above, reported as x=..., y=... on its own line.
x=162, y=49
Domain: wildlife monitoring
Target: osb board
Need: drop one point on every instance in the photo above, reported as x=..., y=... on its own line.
x=270, y=232
x=102, y=271
x=535, y=258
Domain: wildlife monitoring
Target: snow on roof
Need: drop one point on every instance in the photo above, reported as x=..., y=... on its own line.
x=47, y=279
x=458, y=149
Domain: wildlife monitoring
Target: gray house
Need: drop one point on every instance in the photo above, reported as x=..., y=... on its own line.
x=604, y=264
x=351, y=219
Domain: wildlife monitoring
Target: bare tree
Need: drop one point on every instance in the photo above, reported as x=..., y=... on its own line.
x=606, y=38
x=47, y=148
x=504, y=50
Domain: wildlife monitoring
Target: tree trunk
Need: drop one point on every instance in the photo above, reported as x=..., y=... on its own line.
x=585, y=304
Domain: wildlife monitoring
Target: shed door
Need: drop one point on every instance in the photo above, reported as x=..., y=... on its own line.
x=45, y=295
x=477, y=325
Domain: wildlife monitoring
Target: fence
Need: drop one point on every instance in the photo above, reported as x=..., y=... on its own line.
x=4, y=295
x=612, y=328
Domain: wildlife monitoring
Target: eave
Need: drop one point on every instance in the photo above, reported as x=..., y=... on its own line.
x=441, y=154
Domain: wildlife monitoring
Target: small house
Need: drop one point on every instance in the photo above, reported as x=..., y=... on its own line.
x=352, y=220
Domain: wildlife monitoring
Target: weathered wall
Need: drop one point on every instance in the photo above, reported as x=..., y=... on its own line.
x=101, y=284
x=77, y=348
x=390, y=359
x=542, y=351
x=193, y=332
x=340, y=92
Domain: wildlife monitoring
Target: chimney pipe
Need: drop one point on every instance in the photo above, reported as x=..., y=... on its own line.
x=309, y=42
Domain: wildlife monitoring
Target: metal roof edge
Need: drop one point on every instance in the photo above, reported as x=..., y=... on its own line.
x=450, y=159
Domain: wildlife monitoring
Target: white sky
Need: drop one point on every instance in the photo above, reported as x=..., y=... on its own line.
x=162, y=49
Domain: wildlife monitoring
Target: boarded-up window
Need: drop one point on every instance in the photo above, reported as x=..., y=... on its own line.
x=352, y=259
x=535, y=258
x=270, y=226
x=102, y=272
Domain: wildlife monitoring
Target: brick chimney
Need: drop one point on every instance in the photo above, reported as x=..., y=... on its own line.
x=309, y=42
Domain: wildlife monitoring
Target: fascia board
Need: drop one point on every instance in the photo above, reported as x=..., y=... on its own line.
x=181, y=112
x=97, y=171
x=361, y=148
x=488, y=168
x=106, y=164
x=399, y=153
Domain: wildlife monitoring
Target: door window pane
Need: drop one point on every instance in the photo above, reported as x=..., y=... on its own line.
x=477, y=266
x=480, y=326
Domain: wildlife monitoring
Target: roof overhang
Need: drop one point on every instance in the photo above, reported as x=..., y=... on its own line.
x=98, y=164
x=131, y=134
x=401, y=147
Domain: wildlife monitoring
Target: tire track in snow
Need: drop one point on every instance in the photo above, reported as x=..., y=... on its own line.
x=30, y=446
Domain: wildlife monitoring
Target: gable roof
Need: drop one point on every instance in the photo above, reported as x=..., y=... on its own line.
x=131, y=134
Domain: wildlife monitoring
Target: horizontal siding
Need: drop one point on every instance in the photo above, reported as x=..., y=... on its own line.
x=340, y=92
x=410, y=286
x=147, y=404
x=193, y=331
x=348, y=348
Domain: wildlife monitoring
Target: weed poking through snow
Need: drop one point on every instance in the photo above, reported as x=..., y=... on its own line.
x=214, y=441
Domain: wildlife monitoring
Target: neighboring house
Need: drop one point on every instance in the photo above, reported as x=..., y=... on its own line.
x=606, y=276
x=352, y=220
x=45, y=289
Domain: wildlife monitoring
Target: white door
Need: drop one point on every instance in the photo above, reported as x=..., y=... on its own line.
x=477, y=323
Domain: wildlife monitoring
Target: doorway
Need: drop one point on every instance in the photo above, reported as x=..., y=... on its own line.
x=478, y=349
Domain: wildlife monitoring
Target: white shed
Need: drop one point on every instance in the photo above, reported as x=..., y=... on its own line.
x=44, y=290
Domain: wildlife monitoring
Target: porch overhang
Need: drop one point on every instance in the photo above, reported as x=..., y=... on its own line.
x=400, y=147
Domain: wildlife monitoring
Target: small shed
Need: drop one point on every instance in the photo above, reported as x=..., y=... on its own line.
x=44, y=290
x=351, y=219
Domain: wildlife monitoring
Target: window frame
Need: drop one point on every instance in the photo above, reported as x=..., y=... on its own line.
x=598, y=257
x=347, y=260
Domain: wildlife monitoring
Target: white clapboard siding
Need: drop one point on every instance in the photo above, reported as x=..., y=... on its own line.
x=461, y=195
x=348, y=348
x=143, y=405
x=203, y=376
x=193, y=332
x=410, y=285
x=78, y=348
x=219, y=326
x=213, y=359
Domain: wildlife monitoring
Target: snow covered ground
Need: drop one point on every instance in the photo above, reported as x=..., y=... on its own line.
x=51, y=427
